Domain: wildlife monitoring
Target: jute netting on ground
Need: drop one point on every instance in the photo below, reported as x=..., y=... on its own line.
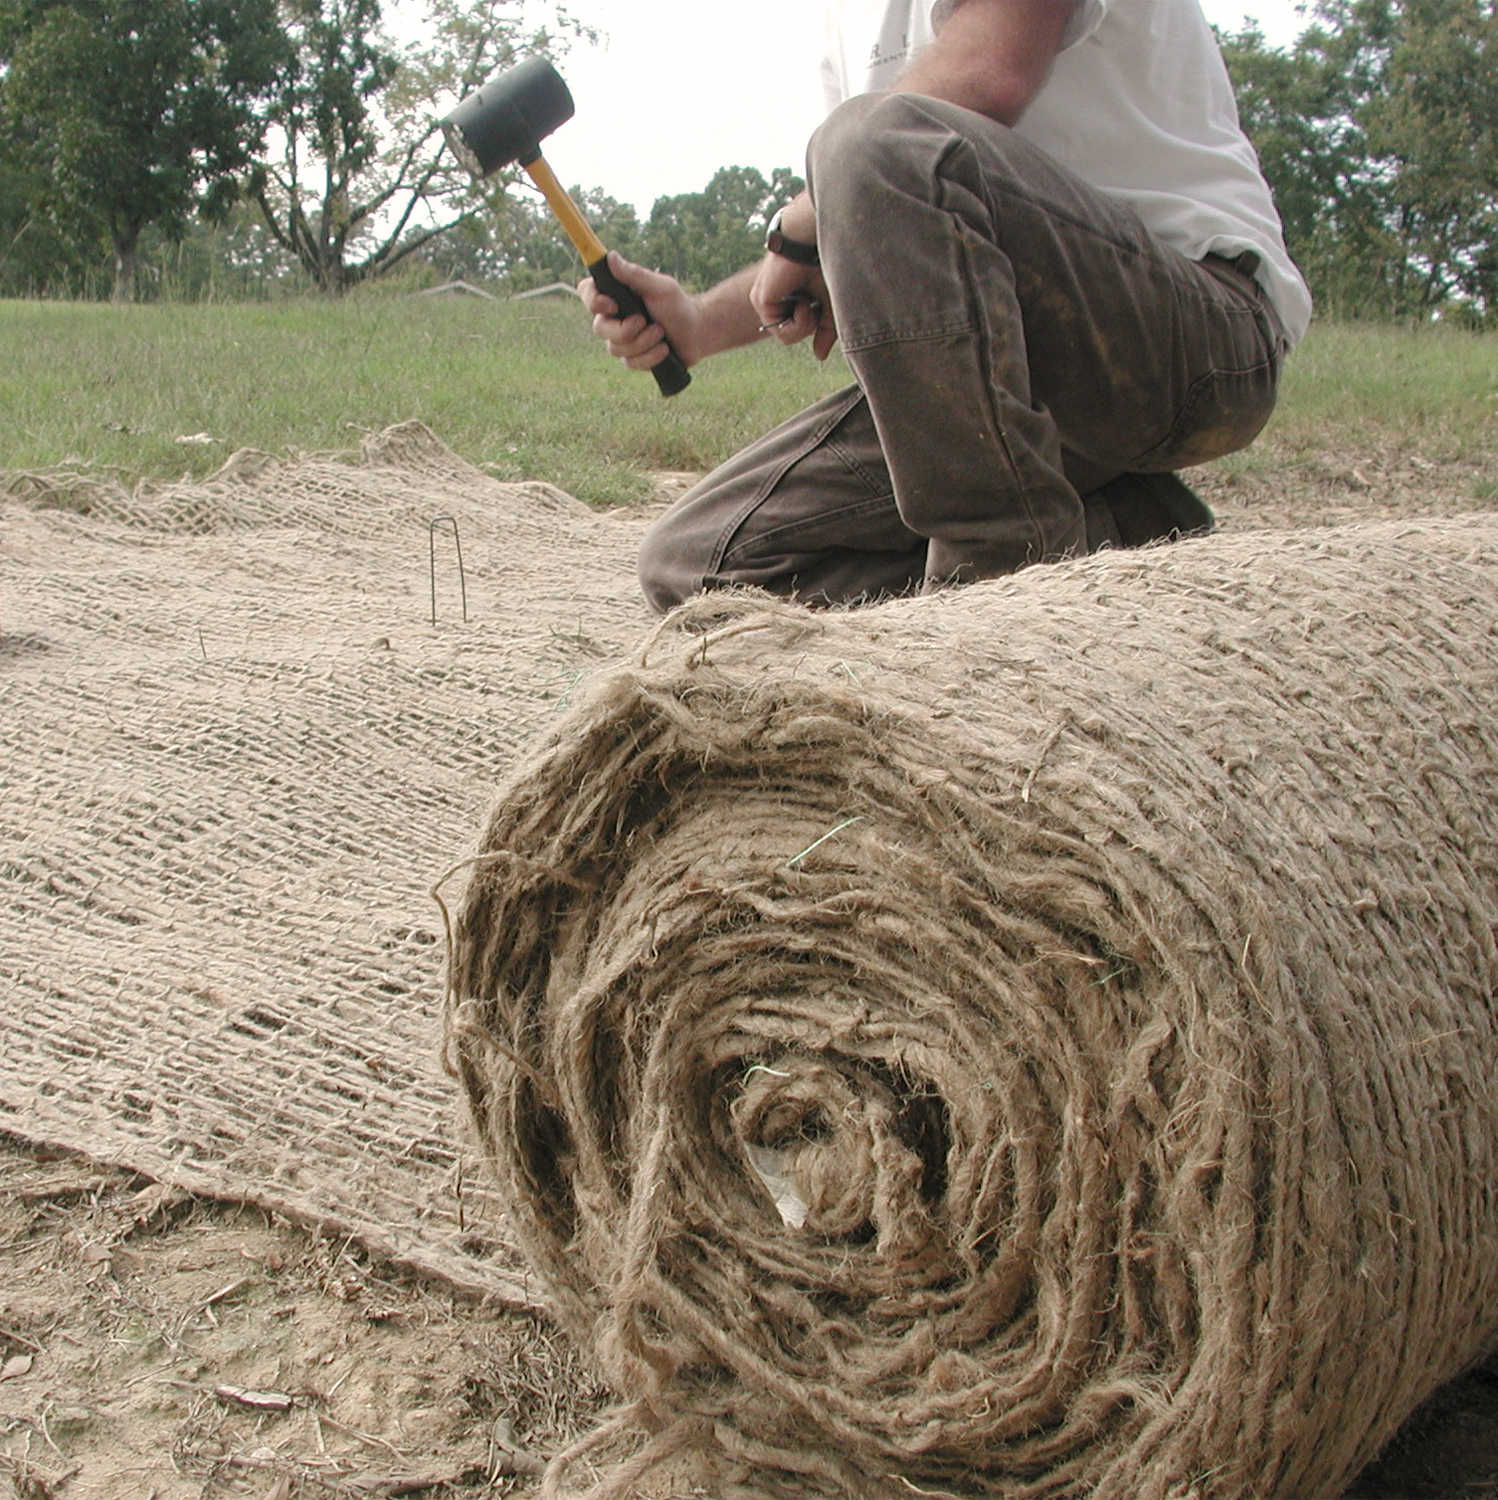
x=234, y=756
x=1038, y=1040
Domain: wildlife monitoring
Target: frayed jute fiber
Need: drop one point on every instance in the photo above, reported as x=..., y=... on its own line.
x=1032, y=1041
x=243, y=722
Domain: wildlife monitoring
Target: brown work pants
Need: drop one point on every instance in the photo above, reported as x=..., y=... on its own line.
x=1017, y=338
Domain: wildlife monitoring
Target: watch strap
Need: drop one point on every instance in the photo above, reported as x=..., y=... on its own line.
x=779, y=243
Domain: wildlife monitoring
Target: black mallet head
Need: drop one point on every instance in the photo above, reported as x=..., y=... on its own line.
x=505, y=121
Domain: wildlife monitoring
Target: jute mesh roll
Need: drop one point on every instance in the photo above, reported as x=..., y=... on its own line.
x=1038, y=1040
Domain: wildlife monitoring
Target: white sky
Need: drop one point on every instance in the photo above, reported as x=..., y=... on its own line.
x=674, y=89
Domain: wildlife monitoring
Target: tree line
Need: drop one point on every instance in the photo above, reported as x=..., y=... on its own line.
x=1378, y=131
x=250, y=147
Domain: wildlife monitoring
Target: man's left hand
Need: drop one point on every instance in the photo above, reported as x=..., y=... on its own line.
x=792, y=303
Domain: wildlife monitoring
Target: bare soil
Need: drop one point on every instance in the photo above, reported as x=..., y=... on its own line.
x=154, y=1346
x=158, y=1347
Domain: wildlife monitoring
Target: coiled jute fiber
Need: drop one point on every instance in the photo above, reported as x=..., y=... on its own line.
x=1037, y=1040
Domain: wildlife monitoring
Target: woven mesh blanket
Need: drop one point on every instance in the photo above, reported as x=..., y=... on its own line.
x=235, y=754
x=1037, y=1040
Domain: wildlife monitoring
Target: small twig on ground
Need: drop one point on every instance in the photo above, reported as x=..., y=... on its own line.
x=364, y=1437
x=506, y=1456
x=418, y=1484
x=32, y=1482
x=277, y=1401
x=18, y=1338
x=73, y=1186
x=225, y=1291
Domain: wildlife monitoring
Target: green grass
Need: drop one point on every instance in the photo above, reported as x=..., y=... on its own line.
x=1431, y=388
x=524, y=390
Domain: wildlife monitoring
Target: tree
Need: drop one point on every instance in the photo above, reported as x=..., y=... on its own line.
x=1433, y=128
x=36, y=257
x=1281, y=106
x=702, y=237
x=1378, y=133
x=360, y=178
x=232, y=259
x=518, y=241
x=327, y=133
x=131, y=113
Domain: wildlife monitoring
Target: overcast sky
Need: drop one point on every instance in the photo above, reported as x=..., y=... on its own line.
x=674, y=89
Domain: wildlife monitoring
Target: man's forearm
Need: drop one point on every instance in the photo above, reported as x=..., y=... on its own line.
x=729, y=320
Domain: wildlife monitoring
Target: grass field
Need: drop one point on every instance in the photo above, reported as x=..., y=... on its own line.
x=524, y=390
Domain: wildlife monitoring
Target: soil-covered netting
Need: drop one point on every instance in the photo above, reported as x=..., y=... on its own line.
x=235, y=754
x=1032, y=1041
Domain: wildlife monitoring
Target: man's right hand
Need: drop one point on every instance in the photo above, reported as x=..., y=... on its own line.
x=642, y=344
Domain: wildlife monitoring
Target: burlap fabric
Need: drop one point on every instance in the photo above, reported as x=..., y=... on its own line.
x=1034, y=1041
x=234, y=756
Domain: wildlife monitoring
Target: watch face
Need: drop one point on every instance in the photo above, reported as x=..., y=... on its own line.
x=778, y=244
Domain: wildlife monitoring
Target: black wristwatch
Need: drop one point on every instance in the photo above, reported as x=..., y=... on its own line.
x=797, y=250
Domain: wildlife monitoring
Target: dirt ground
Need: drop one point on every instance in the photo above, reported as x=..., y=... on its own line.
x=153, y=1346
x=157, y=1347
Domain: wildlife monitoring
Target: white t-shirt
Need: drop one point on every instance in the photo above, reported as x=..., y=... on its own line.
x=1138, y=104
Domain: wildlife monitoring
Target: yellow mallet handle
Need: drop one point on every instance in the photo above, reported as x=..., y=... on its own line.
x=671, y=375
x=589, y=246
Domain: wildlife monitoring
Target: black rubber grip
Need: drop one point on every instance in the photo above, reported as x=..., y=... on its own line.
x=670, y=374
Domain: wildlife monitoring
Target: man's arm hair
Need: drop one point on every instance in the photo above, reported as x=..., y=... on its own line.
x=992, y=56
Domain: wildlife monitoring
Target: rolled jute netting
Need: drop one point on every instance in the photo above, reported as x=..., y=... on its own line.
x=235, y=753
x=1032, y=1041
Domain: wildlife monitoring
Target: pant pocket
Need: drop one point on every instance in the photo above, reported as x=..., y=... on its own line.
x=1224, y=411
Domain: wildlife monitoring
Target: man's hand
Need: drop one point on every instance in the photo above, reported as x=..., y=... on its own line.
x=641, y=343
x=789, y=298
x=792, y=303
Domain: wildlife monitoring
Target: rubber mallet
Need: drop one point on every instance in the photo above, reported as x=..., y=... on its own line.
x=504, y=122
